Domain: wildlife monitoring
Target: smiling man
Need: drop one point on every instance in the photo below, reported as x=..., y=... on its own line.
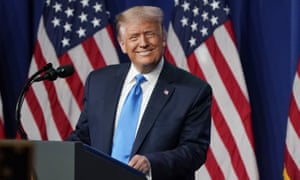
x=148, y=113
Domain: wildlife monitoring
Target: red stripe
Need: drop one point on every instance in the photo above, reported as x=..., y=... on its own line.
x=74, y=81
x=62, y=123
x=213, y=167
x=240, y=101
x=298, y=69
x=221, y=126
x=92, y=51
x=37, y=111
x=294, y=115
x=291, y=167
x=229, y=142
x=2, y=133
x=169, y=56
x=111, y=34
x=229, y=27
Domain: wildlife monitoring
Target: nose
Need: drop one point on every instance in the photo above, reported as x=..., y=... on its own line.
x=143, y=41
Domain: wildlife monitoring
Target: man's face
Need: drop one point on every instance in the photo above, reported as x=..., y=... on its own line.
x=144, y=42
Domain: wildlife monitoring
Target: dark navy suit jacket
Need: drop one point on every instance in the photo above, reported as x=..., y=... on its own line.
x=174, y=133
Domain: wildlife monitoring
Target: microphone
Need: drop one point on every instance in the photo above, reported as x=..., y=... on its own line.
x=49, y=74
x=52, y=74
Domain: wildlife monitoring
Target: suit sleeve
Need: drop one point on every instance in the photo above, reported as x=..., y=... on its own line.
x=81, y=133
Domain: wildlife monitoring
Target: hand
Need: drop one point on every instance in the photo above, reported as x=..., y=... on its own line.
x=140, y=163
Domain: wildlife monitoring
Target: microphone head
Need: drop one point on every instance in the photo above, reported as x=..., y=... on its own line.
x=64, y=71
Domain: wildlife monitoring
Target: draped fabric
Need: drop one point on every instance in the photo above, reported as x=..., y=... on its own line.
x=70, y=32
x=201, y=40
x=267, y=40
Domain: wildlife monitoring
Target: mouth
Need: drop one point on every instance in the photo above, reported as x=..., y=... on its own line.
x=145, y=52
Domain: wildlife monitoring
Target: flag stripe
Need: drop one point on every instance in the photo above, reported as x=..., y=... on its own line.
x=227, y=109
x=59, y=116
x=85, y=45
x=176, y=50
x=292, y=155
x=93, y=53
x=229, y=27
x=74, y=82
x=293, y=143
x=34, y=121
x=212, y=55
x=63, y=87
x=218, y=147
x=105, y=41
x=222, y=156
x=220, y=121
x=169, y=56
x=214, y=172
x=231, y=57
x=294, y=115
x=38, y=117
x=241, y=104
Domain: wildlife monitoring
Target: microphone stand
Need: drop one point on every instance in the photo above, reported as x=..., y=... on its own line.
x=21, y=98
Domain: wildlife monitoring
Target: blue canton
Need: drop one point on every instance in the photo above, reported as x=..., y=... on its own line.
x=195, y=20
x=69, y=22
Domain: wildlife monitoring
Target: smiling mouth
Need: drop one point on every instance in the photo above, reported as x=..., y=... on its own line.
x=144, y=53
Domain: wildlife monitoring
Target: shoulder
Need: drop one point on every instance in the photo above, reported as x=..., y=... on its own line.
x=111, y=68
x=181, y=76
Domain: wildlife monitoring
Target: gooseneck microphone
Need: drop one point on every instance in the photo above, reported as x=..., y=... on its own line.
x=45, y=73
x=53, y=74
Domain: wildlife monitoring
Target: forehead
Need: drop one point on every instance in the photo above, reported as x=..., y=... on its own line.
x=139, y=25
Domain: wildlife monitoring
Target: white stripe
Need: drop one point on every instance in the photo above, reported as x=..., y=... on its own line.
x=293, y=143
x=42, y=96
x=47, y=49
x=63, y=91
x=296, y=89
x=221, y=154
x=68, y=103
x=28, y=123
x=202, y=174
x=176, y=49
x=81, y=62
x=292, y=138
x=106, y=47
x=229, y=51
x=228, y=110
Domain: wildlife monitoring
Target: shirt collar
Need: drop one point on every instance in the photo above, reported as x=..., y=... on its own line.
x=153, y=75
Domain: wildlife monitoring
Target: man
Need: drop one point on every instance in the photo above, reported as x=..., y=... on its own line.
x=172, y=134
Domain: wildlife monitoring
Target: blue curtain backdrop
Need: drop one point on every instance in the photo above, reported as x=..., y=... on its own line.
x=267, y=38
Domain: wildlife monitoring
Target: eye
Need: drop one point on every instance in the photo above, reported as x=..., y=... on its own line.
x=133, y=37
x=150, y=34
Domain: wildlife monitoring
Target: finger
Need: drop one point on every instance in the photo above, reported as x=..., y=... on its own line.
x=140, y=163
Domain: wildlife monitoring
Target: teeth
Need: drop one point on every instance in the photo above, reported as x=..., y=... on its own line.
x=144, y=53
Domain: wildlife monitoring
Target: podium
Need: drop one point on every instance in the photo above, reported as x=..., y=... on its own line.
x=76, y=161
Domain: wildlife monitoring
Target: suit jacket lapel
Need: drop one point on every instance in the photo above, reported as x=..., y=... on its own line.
x=160, y=95
x=111, y=101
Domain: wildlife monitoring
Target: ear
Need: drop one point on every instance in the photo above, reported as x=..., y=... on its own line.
x=123, y=46
x=164, y=43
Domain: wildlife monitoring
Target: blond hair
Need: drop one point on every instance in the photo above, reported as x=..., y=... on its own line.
x=147, y=13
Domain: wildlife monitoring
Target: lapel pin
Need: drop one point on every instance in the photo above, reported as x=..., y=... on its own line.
x=166, y=92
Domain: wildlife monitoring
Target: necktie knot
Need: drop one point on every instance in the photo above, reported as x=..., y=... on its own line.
x=139, y=80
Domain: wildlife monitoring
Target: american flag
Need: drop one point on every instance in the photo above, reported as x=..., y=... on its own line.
x=201, y=40
x=70, y=32
x=292, y=146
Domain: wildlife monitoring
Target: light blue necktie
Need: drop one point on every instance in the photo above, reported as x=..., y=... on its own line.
x=126, y=128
